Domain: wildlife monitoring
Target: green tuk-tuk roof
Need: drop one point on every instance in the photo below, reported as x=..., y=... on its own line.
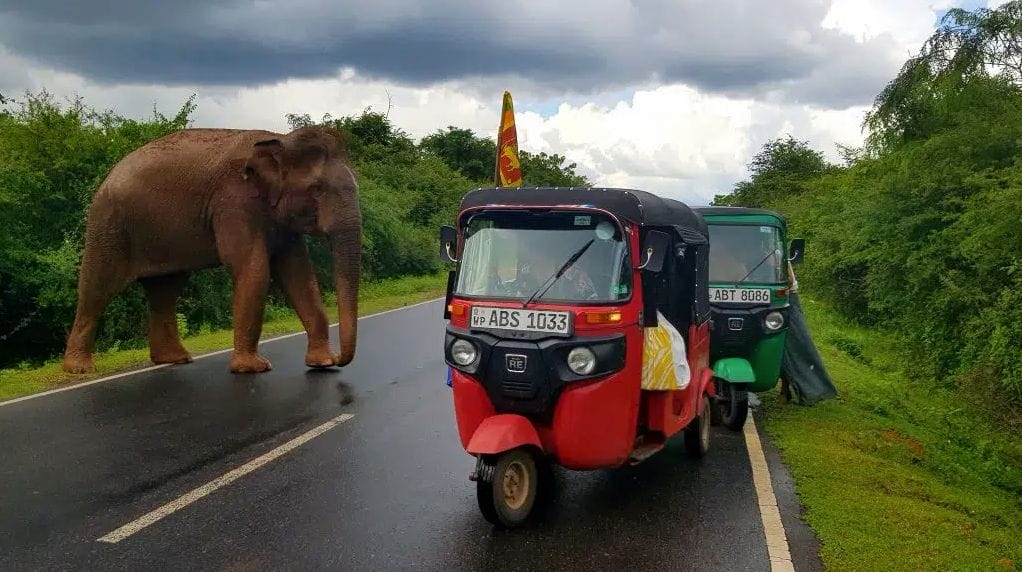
x=740, y=214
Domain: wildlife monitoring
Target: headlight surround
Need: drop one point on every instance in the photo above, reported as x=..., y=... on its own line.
x=581, y=360
x=774, y=321
x=464, y=352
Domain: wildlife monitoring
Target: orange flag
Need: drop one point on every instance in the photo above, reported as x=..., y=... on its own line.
x=509, y=169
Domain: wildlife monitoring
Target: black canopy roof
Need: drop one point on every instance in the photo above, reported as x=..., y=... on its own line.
x=639, y=207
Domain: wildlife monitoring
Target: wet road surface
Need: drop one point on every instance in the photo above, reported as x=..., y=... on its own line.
x=386, y=489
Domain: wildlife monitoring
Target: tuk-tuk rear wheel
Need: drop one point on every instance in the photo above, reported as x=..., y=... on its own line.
x=509, y=498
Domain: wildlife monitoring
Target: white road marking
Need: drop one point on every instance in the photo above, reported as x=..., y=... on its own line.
x=200, y=356
x=221, y=481
x=776, y=539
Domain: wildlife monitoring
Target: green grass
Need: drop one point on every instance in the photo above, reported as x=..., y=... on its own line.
x=896, y=474
x=373, y=297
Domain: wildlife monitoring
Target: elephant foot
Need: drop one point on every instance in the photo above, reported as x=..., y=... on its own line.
x=320, y=358
x=78, y=364
x=249, y=363
x=171, y=357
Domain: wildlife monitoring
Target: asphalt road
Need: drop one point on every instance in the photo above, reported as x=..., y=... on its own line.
x=386, y=489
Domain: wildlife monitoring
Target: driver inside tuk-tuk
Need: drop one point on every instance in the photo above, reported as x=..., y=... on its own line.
x=732, y=257
x=574, y=284
x=725, y=261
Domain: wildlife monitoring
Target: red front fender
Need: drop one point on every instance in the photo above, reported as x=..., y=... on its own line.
x=502, y=433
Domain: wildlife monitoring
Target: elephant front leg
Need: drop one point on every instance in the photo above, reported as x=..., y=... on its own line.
x=293, y=270
x=251, y=279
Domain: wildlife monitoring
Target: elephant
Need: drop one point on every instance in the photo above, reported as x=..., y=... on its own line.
x=201, y=198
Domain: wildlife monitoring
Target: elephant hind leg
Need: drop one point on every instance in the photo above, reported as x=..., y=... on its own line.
x=164, y=339
x=101, y=279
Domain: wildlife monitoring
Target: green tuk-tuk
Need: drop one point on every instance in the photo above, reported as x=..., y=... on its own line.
x=750, y=283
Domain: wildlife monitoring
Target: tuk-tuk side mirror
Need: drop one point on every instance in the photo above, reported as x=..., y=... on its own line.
x=797, y=250
x=654, y=249
x=448, y=243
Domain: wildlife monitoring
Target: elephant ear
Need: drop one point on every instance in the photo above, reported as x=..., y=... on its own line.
x=264, y=170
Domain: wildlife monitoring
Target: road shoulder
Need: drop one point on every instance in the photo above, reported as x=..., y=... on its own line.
x=803, y=544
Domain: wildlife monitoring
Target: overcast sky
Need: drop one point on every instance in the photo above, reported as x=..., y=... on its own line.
x=669, y=96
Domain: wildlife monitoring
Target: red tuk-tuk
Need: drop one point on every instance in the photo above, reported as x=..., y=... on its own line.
x=578, y=334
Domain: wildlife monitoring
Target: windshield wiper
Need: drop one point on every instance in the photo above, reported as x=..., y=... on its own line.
x=756, y=267
x=560, y=271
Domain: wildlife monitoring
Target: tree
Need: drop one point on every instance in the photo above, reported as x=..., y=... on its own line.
x=370, y=136
x=923, y=98
x=52, y=160
x=543, y=170
x=781, y=168
x=475, y=158
x=463, y=151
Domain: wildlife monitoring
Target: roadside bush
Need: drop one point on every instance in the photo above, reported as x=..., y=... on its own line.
x=923, y=237
x=919, y=231
x=53, y=157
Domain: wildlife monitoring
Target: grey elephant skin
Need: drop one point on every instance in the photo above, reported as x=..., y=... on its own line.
x=244, y=199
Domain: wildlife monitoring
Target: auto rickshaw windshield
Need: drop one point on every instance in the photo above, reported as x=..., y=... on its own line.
x=746, y=253
x=517, y=255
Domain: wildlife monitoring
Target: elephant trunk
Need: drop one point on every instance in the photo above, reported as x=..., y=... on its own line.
x=347, y=253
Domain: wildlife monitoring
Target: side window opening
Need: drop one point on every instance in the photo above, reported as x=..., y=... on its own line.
x=674, y=289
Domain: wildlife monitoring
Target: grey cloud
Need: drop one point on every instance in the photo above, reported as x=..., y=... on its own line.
x=13, y=76
x=576, y=47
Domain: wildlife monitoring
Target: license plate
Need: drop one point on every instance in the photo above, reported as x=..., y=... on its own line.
x=739, y=295
x=520, y=320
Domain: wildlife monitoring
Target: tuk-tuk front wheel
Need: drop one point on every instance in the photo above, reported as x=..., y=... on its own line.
x=509, y=497
x=697, y=434
x=734, y=406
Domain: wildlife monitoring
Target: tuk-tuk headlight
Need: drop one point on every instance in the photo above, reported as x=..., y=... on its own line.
x=581, y=360
x=463, y=352
x=774, y=321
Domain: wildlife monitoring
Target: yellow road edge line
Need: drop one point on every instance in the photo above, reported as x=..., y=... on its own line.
x=773, y=528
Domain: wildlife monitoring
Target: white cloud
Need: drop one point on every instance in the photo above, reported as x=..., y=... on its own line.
x=672, y=139
x=909, y=22
x=418, y=111
x=679, y=142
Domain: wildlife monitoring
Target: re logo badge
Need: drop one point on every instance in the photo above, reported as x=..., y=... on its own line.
x=515, y=363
